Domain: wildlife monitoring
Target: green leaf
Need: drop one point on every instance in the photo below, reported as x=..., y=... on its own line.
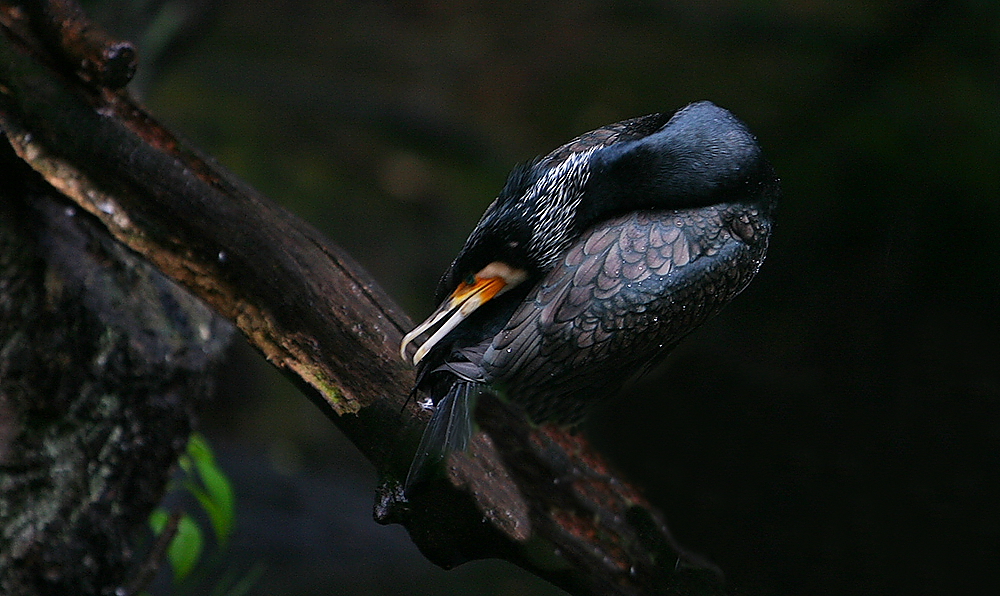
x=198, y=449
x=186, y=547
x=217, y=498
x=185, y=463
x=158, y=520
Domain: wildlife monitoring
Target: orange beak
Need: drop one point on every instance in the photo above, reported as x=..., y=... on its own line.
x=463, y=302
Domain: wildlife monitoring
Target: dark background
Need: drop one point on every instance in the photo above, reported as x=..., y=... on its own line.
x=835, y=431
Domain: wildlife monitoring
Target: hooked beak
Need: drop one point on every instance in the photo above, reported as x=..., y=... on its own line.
x=466, y=298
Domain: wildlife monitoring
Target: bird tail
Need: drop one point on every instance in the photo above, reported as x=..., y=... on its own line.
x=449, y=429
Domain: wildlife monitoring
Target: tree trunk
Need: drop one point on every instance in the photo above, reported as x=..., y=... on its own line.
x=102, y=360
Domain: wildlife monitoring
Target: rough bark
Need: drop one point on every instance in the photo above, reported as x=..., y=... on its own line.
x=538, y=497
x=102, y=360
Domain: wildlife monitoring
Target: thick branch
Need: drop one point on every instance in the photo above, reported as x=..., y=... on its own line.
x=552, y=505
x=303, y=302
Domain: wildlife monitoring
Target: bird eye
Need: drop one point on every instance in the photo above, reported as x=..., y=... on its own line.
x=469, y=280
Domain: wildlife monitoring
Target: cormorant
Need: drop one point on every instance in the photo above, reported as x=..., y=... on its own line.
x=591, y=264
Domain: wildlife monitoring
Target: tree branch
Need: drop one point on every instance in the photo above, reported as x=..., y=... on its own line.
x=549, y=502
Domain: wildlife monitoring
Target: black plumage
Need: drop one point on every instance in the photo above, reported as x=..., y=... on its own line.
x=591, y=264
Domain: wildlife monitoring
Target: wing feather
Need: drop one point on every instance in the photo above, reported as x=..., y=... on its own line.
x=626, y=292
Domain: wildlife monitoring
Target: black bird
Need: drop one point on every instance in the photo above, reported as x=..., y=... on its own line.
x=591, y=264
